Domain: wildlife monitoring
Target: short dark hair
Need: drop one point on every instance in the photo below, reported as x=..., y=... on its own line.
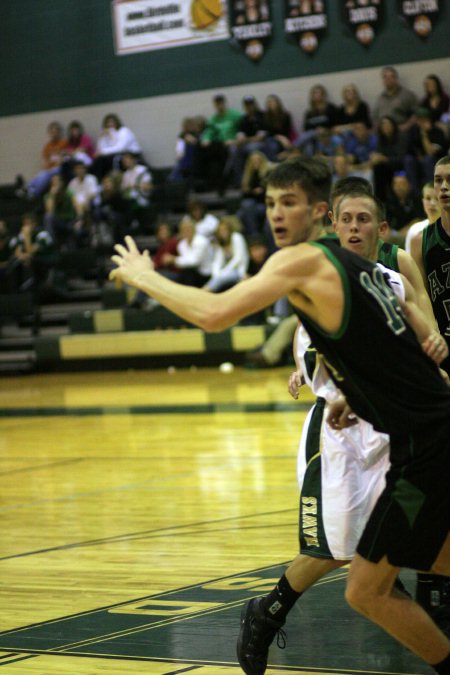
x=355, y=193
x=443, y=160
x=311, y=174
x=350, y=184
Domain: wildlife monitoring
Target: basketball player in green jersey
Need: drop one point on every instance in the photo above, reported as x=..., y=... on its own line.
x=262, y=618
x=431, y=251
x=390, y=255
x=352, y=316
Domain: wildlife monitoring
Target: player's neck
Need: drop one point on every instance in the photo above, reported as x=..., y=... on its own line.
x=317, y=232
x=445, y=220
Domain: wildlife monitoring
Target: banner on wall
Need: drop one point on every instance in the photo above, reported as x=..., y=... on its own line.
x=251, y=26
x=143, y=25
x=307, y=21
x=364, y=18
x=420, y=15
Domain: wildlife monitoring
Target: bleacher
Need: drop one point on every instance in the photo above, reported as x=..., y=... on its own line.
x=83, y=321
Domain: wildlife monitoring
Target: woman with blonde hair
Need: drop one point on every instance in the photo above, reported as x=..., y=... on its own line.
x=230, y=260
x=353, y=109
x=278, y=126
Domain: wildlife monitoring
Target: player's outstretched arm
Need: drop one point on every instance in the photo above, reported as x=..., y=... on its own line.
x=212, y=312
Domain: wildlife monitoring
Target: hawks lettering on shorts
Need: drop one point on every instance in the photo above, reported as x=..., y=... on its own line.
x=309, y=520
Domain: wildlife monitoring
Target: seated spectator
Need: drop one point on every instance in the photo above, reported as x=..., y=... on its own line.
x=193, y=258
x=402, y=207
x=252, y=211
x=344, y=168
x=83, y=189
x=110, y=212
x=205, y=223
x=426, y=143
x=167, y=243
x=259, y=253
x=352, y=110
x=436, y=99
x=388, y=155
x=280, y=132
x=186, y=166
x=79, y=148
x=114, y=140
x=359, y=145
x=218, y=146
x=432, y=210
x=230, y=261
x=53, y=155
x=165, y=252
x=395, y=100
x=60, y=217
x=321, y=112
x=33, y=256
x=325, y=144
x=5, y=255
x=251, y=131
x=137, y=182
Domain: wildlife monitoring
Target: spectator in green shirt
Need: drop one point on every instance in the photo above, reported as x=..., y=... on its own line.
x=219, y=149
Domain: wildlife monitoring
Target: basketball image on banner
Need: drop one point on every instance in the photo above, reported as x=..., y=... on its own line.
x=251, y=26
x=364, y=18
x=205, y=12
x=142, y=25
x=420, y=15
x=306, y=21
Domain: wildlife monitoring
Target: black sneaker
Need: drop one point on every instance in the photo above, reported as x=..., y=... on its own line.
x=255, y=637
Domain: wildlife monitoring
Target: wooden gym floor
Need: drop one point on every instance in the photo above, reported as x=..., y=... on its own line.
x=141, y=509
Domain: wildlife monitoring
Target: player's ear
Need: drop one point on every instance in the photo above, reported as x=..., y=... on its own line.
x=320, y=210
x=383, y=228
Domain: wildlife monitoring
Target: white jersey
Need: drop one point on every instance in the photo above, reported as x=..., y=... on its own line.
x=353, y=461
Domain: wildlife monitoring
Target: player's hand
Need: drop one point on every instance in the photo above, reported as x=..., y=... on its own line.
x=435, y=347
x=130, y=263
x=445, y=376
x=294, y=383
x=340, y=415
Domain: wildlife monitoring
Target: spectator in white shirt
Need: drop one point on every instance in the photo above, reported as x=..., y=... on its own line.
x=194, y=256
x=137, y=182
x=83, y=188
x=114, y=140
x=205, y=223
x=231, y=257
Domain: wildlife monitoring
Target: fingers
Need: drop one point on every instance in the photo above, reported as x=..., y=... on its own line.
x=120, y=249
x=435, y=347
x=294, y=385
x=131, y=244
x=340, y=415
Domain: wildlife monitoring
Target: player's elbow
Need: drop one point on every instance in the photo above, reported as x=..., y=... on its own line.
x=217, y=315
x=214, y=322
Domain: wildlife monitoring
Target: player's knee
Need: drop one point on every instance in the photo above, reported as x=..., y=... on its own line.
x=358, y=597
